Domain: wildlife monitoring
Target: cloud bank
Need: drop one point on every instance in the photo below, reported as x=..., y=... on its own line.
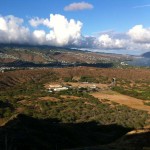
x=78, y=6
x=63, y=32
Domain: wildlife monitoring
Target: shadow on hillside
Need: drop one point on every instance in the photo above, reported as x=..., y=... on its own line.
x=5, y=104
x=139, y=141
x=55, y=64
x=27, y=133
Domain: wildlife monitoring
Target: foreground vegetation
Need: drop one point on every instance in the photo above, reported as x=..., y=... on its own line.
x=83, y=108
x=29, y=111
x=137, y=89
x=26, y=98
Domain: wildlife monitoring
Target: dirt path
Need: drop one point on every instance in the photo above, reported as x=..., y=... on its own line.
x=122, y=99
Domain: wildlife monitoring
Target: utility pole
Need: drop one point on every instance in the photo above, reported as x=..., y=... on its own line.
x=113, y=83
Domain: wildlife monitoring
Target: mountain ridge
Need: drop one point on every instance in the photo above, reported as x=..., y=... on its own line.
x=146, y=55
x=47, y=54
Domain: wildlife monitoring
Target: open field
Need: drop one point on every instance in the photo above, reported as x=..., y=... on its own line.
x=122, y=99
x=106, y=93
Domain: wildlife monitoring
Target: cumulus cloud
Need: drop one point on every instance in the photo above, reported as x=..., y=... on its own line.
x=62, y=31
x=106, y=42
x=36, y=22
x=78, y=6
x=3, y=24
x=135, y=38
x=12, y=30
x=139, y=34
x=39, y=37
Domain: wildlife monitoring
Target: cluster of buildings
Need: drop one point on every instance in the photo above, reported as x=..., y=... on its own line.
x=84, y=87
x=124, y=64
x=3, y=69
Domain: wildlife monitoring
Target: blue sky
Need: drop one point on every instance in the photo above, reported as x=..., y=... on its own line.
x=119, y=15
x=112, y=17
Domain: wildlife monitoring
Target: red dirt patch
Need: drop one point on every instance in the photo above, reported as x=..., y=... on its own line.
x=53, y=99
x=70, y=97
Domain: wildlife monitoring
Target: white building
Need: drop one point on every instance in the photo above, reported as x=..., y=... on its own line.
x=60, y=89
x=57, y=88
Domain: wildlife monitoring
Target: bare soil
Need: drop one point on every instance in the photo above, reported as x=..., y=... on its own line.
x=122, y=99
x=47, y=98
x=70, y=97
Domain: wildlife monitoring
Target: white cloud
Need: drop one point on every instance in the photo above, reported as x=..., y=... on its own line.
x=36, y=21
x=12, y=31
x=3, y=24
x=78, y=6
x=106, y=42
x=39, y=37
x=62, y=31
x=139, y=34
